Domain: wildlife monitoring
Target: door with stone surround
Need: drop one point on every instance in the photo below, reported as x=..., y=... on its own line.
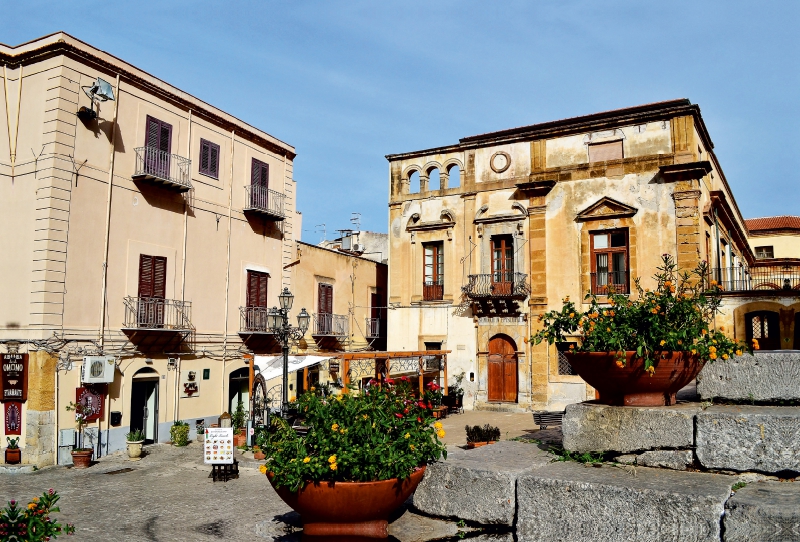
x=503, y=367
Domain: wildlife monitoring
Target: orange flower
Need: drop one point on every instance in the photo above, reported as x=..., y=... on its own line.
x=654, y=311
x=712, y=355
x=619, y=363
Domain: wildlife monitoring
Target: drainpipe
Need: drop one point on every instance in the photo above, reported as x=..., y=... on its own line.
x=716, y=231
x=104, y=288
x=227, y=275
x=186, y=213
x=8, y=120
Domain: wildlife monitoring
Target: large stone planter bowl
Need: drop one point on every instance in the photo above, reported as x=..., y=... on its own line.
x=632, y=385
x=350, y=508
x=134, y=448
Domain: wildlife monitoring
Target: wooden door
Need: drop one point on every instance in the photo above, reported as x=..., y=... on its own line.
x=158, y=143
x=259, y=185
x=152, y=290
x=764, y=326
x=502, y=265
x=503, y=369
x=325, y=312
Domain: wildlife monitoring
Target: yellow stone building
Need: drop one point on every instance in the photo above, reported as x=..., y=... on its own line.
x=488, y=233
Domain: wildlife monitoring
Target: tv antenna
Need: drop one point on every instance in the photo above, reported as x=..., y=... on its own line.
x=324, y=229
x=100, y=91
x=355, y=218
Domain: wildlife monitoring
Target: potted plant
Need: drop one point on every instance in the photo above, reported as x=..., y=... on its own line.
x=640, y=350
x=433, y=398
x=179, y=433
x=481, y=436
x=134, y=440
x=33, y=523
x=360, y=459
x=237, y=422
x=456, y=393
x=258, y=454
x=13, y=453
x=81, y=457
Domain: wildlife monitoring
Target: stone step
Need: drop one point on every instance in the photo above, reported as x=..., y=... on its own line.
x=573, y=502
x=764, y=511
x=500, y=407
x=478, y=485
x=765, y=376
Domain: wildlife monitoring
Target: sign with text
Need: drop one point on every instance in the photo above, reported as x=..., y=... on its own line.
x=190, y=384
x=92, y=399
x=218, y=446
x=14, y=370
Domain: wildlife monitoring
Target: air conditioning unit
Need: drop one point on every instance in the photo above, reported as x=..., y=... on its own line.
x=98, y=370
x=358, y=247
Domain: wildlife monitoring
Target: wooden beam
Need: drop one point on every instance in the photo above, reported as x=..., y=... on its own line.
x=391, y=355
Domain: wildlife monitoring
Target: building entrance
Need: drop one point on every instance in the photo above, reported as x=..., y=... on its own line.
x=503, y=367
x=144, y=404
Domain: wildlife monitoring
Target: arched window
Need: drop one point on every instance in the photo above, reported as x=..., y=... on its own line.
x=453, y=176
x=434, y=181
x=764, y=326
x=413, y=182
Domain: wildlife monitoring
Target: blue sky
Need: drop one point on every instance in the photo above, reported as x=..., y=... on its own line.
x=349, y=82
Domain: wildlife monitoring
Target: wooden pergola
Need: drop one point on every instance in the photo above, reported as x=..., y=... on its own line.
x=386, y=359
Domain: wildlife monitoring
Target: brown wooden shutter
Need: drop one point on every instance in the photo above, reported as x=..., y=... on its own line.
x=158, y=135
x=260, y=174
x=375, y=306
x=257, y=289
x=204, y=157
x=325, y=296
x=600, y=152
x=159, y=277
x=145, y=275
x=213, y=161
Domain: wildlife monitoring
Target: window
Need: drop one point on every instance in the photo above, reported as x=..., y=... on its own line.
x=209, y=158
x=433, y=271
x=764, y=252
x=433, y=345
x=152, y=276
x=158, y=135
x=600, y=152
x=502, y=264
x=257, y=288
x=610, y=262
x=325, y=312
x=259, y=185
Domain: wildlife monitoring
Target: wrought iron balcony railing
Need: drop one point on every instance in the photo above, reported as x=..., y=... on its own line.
x=335, y=325
x=265, y=201
x=768, y=278
x=157, y=313
x=497, y=284
x=169, y=169
x=610, y=282
x=253, y=320
x=373, y=328
x=433, y=290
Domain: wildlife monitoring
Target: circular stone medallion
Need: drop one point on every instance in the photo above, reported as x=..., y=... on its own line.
x=500, y=161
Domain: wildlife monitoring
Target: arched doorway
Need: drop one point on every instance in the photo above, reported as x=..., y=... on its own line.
x=503, y=367
x=144, y=404
x=238, y=389
x=764, y=326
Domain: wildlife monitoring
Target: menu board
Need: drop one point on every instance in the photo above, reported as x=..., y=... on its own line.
x=14, y=370
x=218, y=446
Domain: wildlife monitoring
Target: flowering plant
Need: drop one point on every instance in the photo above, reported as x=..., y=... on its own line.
x=82, y=412
x=382, y=433
x=32, y=523
x=433, y=395
x=675, y=317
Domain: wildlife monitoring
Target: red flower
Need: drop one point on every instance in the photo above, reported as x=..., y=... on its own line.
x=421, y=404
x=430, y=406
x=419, y=419
x=398, y=414
x=389, y=381
x=404, y=378
x=405, y=411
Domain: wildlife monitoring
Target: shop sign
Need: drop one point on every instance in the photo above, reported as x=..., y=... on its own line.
x=218, y=446
x=92, y=399
x=333, y=366
x=190, y=385
x=14, y=370
x=13, y=418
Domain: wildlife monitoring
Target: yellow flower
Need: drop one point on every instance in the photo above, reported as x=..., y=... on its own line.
x=608, y=329
x=412, y=447
x=441, y=433
x=36, y=499
x=262, y=469
x=694, y=351
x=332, y=459
x=680, y=341
x=335, y=427
x=605, y=313
x=31, y=506
x=407, y=435
x=292, y=399
x=663, y=342
x=712, y=355
x=339, y=398
x=306, y=460
x=334, y=466
x=724, y=356
x=572, y=315
x=712, y=349
x=668, y=283
x=343, y=430
x=438, y=425
x=292, y=461
x=738, y=352
x=313, y=388
x=364, y=416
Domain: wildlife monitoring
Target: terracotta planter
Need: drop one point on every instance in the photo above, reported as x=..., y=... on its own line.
x=240, y=439
x=632, y=385
x=471, y=445
x=350, y=508
x=81, y=459
x=259, y=456
x=440, y=412
x=135, y=449
x=13, y=456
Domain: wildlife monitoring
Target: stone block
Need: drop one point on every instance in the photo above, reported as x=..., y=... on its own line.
x=571, y=502
x=594, y=427
x=478, y=485
x=666, y=459
x=744, y=438
x=764, y=511
x=765, y=376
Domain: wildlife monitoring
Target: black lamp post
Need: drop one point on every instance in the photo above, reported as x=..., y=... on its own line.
x=278, y=323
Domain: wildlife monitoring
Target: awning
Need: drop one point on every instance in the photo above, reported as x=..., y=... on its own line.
x=271, y=367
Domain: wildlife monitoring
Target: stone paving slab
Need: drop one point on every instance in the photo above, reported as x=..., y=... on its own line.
x=592, y=427
x=478, y=485
x=766, y=376
x=572, y=502
x=764, y=512
x=749, y=438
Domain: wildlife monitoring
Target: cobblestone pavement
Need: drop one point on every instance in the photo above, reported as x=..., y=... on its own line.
x=511, y=424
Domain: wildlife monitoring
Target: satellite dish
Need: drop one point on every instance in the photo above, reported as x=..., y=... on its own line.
x=100, y=90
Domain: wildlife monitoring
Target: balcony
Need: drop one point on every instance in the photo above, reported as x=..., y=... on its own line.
x=433, y=290
x=153, y=322
x=264, y=202
x=332, y=325
x=769, y=279
x=254, y=331
x=501, y=284
x=611, y=282
x=373, y=328
x=169, y=170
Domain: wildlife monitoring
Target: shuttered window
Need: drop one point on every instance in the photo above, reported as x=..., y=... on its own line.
x=433, y=271
x=325, y=296
x=257, y=289
x=610, y=262
x=209, y=158
x=159, y=135
x=600, y=152
x=260, y=174
x=152, y=276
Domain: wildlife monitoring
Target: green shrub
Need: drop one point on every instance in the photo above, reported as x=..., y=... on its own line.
x=476, y=433
x=179, y=433
x=32, y=523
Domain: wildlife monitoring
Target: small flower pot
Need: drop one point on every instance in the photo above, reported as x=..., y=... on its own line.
x=440, y=412
x=239, y=439
x=135, y=449
x=13, y=456
x=259, y=456
x=81, y=459
x=471, y=445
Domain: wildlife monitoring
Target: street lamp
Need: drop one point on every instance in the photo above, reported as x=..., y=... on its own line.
x=278, y=323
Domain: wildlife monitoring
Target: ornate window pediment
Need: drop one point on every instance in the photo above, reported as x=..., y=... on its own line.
x=606, y=208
